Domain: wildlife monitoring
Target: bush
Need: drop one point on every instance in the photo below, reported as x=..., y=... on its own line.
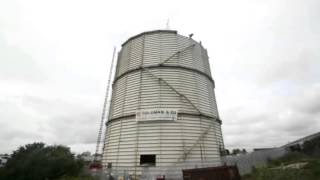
x=76, y=178
x=288, y=158
x=313, y=169
x=38, y=162
x=279, y=174
x=312, y=147
x=309, y=172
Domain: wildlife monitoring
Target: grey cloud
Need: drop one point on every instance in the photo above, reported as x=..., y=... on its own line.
x=49, y=120
x=304, y=67
x=15, y=129
x=16, y=64
x=70, y=123
x=74, y=128
x=265, y=59
x=275, y=126
x=309, y=101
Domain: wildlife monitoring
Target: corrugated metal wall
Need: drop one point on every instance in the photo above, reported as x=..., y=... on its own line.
x=161, y=69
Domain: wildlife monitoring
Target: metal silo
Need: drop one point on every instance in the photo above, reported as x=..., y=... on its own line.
x=163, y=114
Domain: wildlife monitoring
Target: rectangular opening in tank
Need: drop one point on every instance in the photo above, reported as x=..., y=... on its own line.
x=109, y=166
x=148, y=160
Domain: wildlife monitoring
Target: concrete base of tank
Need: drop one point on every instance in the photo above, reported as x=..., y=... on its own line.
x=173, y=172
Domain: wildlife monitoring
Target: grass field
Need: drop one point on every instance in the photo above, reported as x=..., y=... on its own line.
x=293, y=166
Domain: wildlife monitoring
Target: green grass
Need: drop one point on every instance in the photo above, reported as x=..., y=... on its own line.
x=274, y=171
x=289, y=159
x=76, y=178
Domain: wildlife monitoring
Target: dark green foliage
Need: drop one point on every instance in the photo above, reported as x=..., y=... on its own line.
x=224, y=152
x=38, y=162
x=313, y=169
x=312, y=147
x=84, y=177
x=288, y=158
x=238, y=151
x=309, y=172
x=276, y=169
x=276, y=174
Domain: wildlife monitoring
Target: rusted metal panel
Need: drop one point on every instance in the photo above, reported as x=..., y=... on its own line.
x=212, y=173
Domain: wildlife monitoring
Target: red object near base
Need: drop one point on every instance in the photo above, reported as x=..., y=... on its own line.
x=95, y=166
x=161, y=178
x=210, y=173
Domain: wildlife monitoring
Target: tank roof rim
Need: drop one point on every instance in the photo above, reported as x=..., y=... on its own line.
x=148, y=32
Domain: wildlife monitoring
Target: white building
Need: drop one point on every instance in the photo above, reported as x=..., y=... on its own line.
x=3, y=159
x=163, y=114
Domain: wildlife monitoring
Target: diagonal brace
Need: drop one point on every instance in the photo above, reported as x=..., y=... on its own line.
x=172, y=88
x=178, y=52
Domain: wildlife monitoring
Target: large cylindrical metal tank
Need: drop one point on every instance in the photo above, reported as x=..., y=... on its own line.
x=163, y=114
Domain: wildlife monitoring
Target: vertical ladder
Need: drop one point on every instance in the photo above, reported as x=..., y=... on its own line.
x=104, y=109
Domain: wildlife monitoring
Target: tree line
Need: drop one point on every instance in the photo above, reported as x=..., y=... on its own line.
x=37, y=161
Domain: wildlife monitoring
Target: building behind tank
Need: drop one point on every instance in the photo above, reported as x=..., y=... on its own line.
x=163, y=114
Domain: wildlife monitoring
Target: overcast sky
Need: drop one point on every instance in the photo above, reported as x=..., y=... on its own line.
x=54, y=58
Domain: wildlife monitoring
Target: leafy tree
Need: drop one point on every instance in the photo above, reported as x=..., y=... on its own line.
x=236, y=151
x=244, y=151
x=226, y=152
x=39, y=162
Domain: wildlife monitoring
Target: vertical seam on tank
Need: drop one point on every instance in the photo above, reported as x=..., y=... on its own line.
x=218, y=139
x=160, y=97
x=197, y=102
x=159, y=43
x=203, y=69
x=111, y=110
x=124, y=104
x=181, y=123
x=139, y=109
x=107, y=147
